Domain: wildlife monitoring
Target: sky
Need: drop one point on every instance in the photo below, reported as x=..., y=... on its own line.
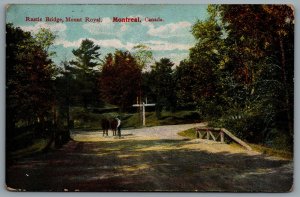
x=169, y=38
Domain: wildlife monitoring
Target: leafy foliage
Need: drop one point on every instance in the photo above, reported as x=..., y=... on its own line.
x=29, y=85
x=84, y=73
x=87, y=56
x=244, y=73
x=45, y=38
x=162, y=85
x=143, y=55
x=120, y=79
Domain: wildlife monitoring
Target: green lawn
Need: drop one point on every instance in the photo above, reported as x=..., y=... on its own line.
x=190, y=133
x=89, y=120
x=36, y=147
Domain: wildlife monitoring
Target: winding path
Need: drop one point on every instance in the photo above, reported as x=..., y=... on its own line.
x=149, y=159
x=157, y=132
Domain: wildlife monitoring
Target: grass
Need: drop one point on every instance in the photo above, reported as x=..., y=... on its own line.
x=37, y=146
x=27, y=142
x=190, y=133
x=167, y=118
x=85, y=119
x=271, y=151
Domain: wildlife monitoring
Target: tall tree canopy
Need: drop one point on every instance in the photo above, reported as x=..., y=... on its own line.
x=29, y=87
x=45, y=38
x=87, y=56
x=120, y=79
x=198, y=79
x=265, y=37
x=244, y=55
x=143, y=56
x=163, y=85
x=84, y=69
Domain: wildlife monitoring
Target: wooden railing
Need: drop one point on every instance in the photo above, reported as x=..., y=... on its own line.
x=218, y=134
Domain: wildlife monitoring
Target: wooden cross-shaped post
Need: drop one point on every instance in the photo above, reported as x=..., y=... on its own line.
x=143, y=105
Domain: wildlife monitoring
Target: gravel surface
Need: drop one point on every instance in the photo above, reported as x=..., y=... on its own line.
x=158, y=132
x=149, y=159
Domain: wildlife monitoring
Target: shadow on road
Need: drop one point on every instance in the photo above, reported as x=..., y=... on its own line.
x=148, y=165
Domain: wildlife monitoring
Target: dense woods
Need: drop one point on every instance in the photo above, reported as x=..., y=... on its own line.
x=239, y=75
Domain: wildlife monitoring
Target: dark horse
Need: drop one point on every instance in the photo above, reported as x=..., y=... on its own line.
x=105, y=126
x=113, y=126
x=109, y=124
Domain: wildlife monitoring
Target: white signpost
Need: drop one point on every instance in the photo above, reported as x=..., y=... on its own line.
x=144, y=105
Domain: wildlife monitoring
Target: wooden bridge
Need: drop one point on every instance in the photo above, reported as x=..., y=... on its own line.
x=218, y=134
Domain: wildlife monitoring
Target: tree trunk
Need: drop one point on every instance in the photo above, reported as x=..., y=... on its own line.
x=287, y=100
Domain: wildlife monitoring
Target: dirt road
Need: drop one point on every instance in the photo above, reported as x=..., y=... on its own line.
x=157, y=132
x=150, y=159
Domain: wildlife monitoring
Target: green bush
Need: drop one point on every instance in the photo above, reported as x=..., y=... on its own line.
x=254, y=129
x=208, y=109
x=249, y=128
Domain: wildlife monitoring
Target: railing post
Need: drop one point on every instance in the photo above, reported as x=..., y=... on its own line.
x=222, y=131
x=222, y=136
x=207, y=134
x=200, y=134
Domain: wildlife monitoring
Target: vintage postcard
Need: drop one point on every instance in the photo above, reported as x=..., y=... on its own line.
x=188, y=98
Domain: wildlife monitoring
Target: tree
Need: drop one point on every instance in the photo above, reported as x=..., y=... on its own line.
x=87, y=56
x=207, y=59
x=84, y=68
x=244, y=60
x=186, y=85
x=163, y=85
x=29, y=84
x=120, y=79
x=45, y=38
x=264, y=47
x=143, y=55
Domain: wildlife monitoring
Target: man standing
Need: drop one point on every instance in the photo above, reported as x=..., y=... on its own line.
x=119, y=126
